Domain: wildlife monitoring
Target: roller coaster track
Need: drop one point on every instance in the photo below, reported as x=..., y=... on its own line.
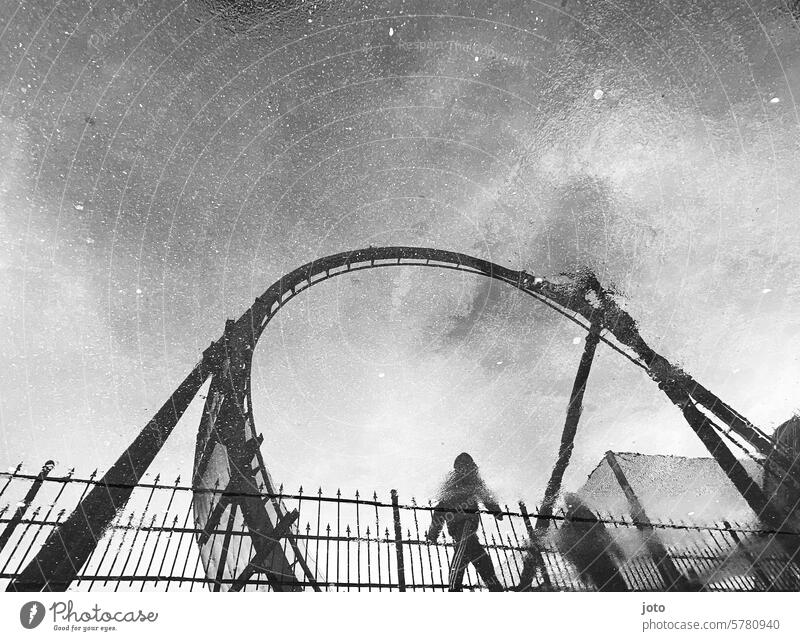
x=228, y=451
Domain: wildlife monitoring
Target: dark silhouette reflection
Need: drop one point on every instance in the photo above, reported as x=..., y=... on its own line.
x=693, y=582
x=458, y=501
x=586, y=543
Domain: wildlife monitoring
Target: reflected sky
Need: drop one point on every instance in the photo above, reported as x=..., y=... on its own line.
x=164, y=162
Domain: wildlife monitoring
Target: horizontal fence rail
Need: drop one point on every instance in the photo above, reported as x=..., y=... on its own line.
x=365, y=543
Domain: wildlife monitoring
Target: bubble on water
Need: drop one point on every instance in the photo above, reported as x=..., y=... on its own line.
x=598, y=94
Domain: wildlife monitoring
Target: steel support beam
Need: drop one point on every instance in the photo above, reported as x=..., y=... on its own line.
x=670, y=575
x=570, y=431
x=534, y=558
x=70, y=544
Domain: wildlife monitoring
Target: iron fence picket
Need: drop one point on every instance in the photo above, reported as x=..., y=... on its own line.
x=297, y=523
x=197, y=564
x=388, y=558
x=177, y=551
x=121, y=545
x=319, y=521
x=24, y=558
x=136, y=535
x=439, y=563
x=10, y=477
x=26, y=527
x=358, y=540
x=377, y=537
x=708, y=562
x=369, y=562
x=338, y=525
x=419, y=545
x=725, y=549
x=153, y=553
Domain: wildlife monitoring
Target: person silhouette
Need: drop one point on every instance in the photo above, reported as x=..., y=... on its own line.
x=584, y=540
x=457, y=505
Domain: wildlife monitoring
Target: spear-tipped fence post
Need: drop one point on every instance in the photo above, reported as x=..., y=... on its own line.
x=411, y=560
x=152, y=528
x=316, y=545
x=398, y=542
x=513, y=557
x=190, y=547
x=176, y=555
x=438, y=555
x=308, y=540
x=25, y=503
x=377, y=537
x=388, y=558
x=515, y=547
x=443, y=537
x=347, y=531
x=534, y=557
x=299, y=513
x=760, y=577
x=287, y=541
x=338, y=531
x=46, y=518
x=328, y=552
x=497, y=547
x=11, y=477
x=22, y=537
x=358, y=542
x=369, y=563
x=419, y=546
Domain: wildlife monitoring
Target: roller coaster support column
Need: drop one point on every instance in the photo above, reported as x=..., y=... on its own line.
x=69, y=545
x=670, y=575
x=733, y=468
x=574, y=410
x=587, y=297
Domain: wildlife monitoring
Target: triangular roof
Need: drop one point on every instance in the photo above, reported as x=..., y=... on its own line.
x=673, y=488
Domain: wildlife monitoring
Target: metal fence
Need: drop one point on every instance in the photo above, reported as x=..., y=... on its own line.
x=362, y=543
